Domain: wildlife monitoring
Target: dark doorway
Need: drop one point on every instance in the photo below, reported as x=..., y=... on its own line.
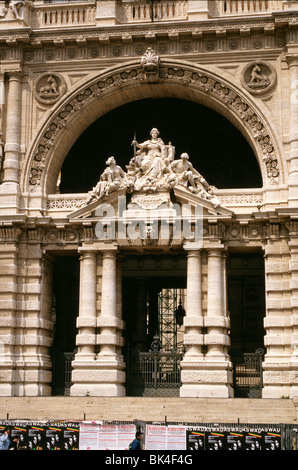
x=152, y=290
x=246, y=305
x=65, y=311
x=216, y=148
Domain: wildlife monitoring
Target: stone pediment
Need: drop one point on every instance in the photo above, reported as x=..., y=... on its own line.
x=158, y=205
x=95, y=209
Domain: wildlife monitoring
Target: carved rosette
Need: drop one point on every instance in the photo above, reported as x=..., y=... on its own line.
x=49, y=88
x=258, y=77
x=169, y=73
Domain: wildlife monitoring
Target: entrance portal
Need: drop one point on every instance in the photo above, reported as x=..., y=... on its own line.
x=153, y=336
x=65, y=311
x=246, y=304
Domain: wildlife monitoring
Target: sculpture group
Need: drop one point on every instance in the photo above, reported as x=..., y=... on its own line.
x=152, y=169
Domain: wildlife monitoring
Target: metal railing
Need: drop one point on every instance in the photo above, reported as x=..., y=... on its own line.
x=248, y=374
x=153, y=373
x=61, y=372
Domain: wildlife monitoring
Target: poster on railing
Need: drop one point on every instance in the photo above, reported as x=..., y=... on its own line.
x=156, y=437
x=272, y=440
x=126, y=434
x=36, y=436
x=235, y=440
x=89, y=434
x=253, y=440
x=97, y=436
x=215, y=441
x=195, y=439
x=176, y=438
x=165, y=437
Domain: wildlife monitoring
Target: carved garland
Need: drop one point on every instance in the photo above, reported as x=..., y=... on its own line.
x=183, y=75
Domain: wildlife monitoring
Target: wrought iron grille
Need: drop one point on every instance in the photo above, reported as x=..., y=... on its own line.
x=153, y=373
x=167, y=326
x=61, y=372
x=248, y=374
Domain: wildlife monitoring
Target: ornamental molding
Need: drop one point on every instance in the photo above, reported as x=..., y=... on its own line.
x=206, y=82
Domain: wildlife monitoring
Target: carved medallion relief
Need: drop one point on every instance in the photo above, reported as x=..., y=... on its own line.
x=258, y=77
x=49, y=88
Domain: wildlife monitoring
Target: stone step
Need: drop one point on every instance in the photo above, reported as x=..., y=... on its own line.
x=191, y=410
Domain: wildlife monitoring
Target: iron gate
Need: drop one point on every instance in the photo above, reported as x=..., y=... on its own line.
x=154, y=373
x=61, y=372
x=248, y=374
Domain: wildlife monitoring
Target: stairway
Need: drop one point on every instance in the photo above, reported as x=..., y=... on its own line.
x=172, y=410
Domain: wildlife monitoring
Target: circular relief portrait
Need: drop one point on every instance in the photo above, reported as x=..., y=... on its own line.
x=258, y=77
x=49, y=88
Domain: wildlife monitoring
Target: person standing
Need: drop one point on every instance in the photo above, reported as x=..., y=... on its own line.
x=136, y=443
x=5, y=440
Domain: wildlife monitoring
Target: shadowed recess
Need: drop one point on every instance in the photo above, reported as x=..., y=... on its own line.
x=215, y=146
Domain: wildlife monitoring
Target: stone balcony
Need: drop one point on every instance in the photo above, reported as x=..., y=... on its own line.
x=44, y=15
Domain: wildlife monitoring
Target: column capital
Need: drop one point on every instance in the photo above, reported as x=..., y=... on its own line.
x=190, y=252
x=216, y=251
x=15, y=75
x=292, y=59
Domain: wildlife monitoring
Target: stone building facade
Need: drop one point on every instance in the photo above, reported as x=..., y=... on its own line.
x=75, y=263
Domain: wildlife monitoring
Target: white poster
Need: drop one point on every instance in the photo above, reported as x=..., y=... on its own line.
x=89, y=433
x=126, y=434
x=165, y=437
x=176, y=438
x=97, y=436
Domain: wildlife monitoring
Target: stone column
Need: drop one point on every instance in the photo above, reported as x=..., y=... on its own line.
x=293, y=134
x=216, y=321
x=192, y=366
x=10, y=189
x=84, y=362
x=110, y=375
x=8, y=290
x=217, y=325
x=279, y=317
x=293, y=244
x=13, y=129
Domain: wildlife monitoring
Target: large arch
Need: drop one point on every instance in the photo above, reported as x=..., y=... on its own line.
x=128, y=82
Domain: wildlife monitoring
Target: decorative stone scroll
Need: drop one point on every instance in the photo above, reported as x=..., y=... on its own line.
x=49, y=88
x=205, y=81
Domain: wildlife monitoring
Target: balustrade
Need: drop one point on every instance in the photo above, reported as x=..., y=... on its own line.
x=56, y=13
x=65, y=14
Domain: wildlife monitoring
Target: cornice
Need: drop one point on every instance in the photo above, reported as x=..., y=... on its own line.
x=220, y=27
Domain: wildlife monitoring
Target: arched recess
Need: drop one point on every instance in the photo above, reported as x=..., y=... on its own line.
x=128, y=82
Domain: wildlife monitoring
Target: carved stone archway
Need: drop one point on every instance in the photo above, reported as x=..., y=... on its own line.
x=131, y=81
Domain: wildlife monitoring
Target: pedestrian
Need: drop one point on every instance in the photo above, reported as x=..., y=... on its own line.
x=15, y=443
x=136, y=443
x=5, y=440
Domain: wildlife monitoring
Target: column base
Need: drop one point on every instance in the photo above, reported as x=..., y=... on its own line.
x=104, y=376
x=206, y=379
x=276, y=378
